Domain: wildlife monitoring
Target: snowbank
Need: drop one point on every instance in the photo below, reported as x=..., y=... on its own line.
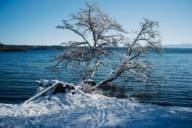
x=92, y=111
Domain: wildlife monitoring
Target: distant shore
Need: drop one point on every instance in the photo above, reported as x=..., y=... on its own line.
x=23, y=48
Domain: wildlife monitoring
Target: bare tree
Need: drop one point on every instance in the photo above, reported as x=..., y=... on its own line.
x=134, y=60
x=98, y=32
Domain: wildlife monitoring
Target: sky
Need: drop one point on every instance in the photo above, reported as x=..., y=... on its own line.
x=33, y=22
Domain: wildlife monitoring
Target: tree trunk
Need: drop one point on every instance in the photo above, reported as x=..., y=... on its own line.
x=109, y=80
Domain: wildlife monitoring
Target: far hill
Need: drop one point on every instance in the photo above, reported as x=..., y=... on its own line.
x=181, y=45
x=4, y=47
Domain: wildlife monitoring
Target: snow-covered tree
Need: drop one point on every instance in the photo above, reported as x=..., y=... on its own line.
x=99, y=32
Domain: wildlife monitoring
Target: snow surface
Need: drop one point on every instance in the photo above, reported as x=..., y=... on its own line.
x=91, y=111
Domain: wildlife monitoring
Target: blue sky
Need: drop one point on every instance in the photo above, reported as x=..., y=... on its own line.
x=34, y=21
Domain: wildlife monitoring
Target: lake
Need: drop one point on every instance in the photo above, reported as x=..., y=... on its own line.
x=165, y=103
x=173, y=77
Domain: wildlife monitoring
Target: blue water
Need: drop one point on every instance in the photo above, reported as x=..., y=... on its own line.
x=167, y=102
x=173, y=76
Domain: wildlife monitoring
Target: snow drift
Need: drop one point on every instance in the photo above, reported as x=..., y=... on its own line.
x=81, y=110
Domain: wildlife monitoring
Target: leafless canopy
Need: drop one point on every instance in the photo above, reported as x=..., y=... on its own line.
x=134, y=60
x=98, y=32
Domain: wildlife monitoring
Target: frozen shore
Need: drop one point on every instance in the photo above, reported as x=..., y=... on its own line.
x=91, y=110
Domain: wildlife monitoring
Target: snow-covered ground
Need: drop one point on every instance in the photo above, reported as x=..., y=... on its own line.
x=91, y=111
